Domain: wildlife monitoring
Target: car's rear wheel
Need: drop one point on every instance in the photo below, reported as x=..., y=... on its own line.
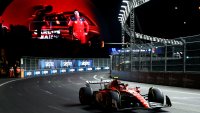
x=85, y=95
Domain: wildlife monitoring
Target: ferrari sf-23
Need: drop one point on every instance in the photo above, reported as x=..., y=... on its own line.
x=115, y=95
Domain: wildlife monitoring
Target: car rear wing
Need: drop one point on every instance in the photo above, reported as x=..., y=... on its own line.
x=98, y=82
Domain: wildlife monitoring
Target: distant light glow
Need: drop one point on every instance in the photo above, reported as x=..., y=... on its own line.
x=54, y=71
x=63, y=70
x=106, y=68
x=72, y=70
x=98, y=68
x=89, y=69
x=81, y=69
x=37, y=72
x=45, y=72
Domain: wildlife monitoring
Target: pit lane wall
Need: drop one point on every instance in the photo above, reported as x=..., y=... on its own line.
x=32, y=67
x=186, y=80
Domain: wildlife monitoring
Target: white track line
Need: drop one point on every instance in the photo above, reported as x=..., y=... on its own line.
x=9, y=82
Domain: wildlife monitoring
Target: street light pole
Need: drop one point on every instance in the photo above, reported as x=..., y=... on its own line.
x=111, y=65
x=132, y=38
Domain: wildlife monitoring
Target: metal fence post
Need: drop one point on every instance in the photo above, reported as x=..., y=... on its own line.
x=111, y=64
x=139, y=63
x=151, y=55
x=165, y=57
x=184, y=55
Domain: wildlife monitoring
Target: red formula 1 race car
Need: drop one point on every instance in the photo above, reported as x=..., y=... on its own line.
x=114, y=95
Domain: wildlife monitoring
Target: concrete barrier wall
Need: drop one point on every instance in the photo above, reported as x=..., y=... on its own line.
x=59, y=71
x=186, y=80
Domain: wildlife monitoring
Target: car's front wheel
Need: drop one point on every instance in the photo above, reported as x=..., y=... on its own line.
x=155, y=95
x=111, y=101
x=85, y=95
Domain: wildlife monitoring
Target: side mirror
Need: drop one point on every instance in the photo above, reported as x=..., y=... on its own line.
x=138, y=89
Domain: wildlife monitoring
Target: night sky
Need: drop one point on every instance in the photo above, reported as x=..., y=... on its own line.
x=107, y=14
x=169, y=18
x=161, y=18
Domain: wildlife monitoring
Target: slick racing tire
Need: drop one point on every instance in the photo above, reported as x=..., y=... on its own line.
x=85, y=95
x=155, y=95
x=108, y=104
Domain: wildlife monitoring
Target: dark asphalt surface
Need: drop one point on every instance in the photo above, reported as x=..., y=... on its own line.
x=59, y=94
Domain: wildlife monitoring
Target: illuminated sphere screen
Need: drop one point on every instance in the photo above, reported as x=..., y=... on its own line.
x=71, y=20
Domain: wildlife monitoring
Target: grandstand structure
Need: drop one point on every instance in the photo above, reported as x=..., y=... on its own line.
x=127, y=12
